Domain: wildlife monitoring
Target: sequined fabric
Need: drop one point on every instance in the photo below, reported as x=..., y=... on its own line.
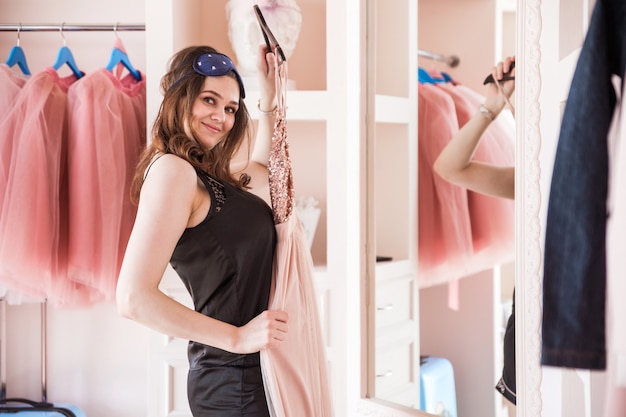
x=218, y=191
x=279, y=165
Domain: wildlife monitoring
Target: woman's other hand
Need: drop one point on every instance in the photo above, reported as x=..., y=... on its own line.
x=266, y=330
x=500, y=92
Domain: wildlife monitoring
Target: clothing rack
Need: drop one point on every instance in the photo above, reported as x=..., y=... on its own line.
x=4, y=344
x=451, y=60
x=65, y=27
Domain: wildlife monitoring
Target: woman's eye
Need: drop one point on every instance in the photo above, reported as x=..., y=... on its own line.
x=231, y=110
x=209, y=100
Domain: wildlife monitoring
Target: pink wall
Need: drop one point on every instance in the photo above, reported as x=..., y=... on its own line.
x=459, y=27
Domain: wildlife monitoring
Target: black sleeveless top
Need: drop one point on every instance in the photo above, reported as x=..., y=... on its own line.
x=226, y=264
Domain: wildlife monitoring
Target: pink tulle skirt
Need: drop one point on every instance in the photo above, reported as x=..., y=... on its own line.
x=33, y=219
x=294, y=374
x=106, y=136
x=492, y=218
x=445, y=245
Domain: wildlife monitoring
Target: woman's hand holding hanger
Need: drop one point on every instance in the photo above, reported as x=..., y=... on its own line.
x=455, y=163
x=500, y=92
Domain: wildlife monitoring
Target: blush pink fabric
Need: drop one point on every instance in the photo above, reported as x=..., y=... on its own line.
x=33, y=223
x=68, y=151
x=460, y=232
x=445, y=245
x=492, y=218
x=11, y=83
x=294, y=374
x=105, y=138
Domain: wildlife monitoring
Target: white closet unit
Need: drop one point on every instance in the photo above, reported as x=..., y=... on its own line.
x=329, y=134
x=352, y=125
x=392, y=195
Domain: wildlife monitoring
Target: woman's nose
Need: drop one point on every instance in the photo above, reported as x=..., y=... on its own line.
x=218, y=114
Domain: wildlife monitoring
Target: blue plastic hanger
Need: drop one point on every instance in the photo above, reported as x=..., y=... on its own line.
x=17, y=56
x=65, y=57
x=425, y=78
x=447, y=77
x=119, y=56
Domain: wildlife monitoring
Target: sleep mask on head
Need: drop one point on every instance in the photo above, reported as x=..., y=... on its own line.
x=216, y=64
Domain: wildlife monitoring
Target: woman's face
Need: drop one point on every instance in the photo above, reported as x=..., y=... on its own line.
x=213, y=112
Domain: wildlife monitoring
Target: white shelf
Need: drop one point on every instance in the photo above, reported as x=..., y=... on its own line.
x=392, y=109
x=391, y=269
x=302, y=105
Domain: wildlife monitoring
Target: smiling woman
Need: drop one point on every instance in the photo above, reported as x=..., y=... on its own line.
x=213, y=113
x=212, y=228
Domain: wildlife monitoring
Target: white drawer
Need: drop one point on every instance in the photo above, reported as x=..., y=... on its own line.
x=395, y=369
x=395, y=300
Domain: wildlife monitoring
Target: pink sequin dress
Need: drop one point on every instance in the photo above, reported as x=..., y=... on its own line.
x=294, y=374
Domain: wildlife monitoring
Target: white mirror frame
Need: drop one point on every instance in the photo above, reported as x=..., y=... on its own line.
x=528, y=283
x=528, y=225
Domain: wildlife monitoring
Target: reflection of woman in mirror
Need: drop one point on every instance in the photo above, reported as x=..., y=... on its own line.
x=213, y=226
x=456, y=165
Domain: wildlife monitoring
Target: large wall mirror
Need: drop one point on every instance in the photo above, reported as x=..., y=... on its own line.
x=478, y=32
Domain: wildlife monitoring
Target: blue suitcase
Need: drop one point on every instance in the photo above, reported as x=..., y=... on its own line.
x=22, y=406
x=29, y=408
x=437, y=388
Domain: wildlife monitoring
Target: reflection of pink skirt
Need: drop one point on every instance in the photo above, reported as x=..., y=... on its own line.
x=294, y=374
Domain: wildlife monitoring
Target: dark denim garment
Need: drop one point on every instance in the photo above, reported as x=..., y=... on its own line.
x=574, y=279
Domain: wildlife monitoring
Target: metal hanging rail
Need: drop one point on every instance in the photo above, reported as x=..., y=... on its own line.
x=451, y=60
x=68, y=27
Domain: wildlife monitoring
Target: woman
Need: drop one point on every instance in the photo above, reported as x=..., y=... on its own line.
x=212, y=225
x=455, y=164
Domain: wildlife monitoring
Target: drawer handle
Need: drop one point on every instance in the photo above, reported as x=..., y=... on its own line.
x=387, y=307
x=384, y=375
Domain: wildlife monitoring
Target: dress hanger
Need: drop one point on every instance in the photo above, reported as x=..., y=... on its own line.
x=270, y=40
x=65, y=57
x=447, y=77
x=119, y=56
x=425, y=78
x=490, y=79
x=17, y=56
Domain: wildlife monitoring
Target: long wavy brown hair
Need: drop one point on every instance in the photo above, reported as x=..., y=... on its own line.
x=180, y=87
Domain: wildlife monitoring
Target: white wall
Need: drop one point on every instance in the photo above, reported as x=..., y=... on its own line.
x=95, y=359
x=90, y=49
